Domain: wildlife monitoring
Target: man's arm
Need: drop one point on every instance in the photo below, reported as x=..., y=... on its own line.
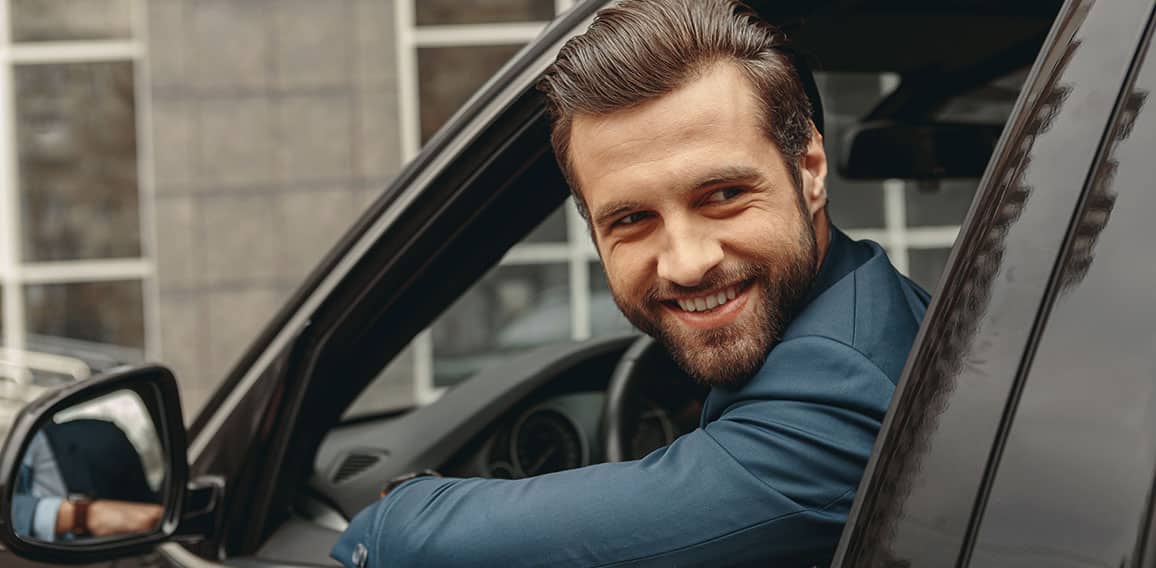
x=771, y=480
x=23, y=513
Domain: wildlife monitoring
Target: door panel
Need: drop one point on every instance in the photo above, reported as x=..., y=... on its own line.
x=1072, y=485
x=916, y=501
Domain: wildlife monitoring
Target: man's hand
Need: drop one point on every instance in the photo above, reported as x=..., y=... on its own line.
x=107, y=517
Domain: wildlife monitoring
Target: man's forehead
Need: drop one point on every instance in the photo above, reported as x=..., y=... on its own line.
x=718, y=107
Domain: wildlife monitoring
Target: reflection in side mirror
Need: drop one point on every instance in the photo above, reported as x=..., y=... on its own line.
x=94, y=470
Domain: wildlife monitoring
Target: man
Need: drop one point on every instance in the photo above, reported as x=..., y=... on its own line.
x=82, y=478
x=686, y=136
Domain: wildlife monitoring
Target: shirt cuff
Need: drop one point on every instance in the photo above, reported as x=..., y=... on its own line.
x=352, y=549
x=44, y=519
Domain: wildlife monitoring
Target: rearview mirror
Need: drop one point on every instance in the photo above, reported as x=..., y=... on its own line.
x=889, y=150
x=95, y=469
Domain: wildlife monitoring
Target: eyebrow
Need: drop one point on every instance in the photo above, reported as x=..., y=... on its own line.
x=722, y=176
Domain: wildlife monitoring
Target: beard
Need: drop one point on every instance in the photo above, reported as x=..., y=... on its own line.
x=729, y=356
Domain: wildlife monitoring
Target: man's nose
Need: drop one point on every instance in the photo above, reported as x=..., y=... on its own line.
x=689, y=254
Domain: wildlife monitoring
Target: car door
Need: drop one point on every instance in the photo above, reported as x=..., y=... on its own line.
x=1076, y=464
x=974, y=448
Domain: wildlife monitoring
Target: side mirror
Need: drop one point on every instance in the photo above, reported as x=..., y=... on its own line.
x=96, y=470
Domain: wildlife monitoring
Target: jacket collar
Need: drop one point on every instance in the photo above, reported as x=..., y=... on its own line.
x=842, y=258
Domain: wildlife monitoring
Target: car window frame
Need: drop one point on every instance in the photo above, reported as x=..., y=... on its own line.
x=271, y=379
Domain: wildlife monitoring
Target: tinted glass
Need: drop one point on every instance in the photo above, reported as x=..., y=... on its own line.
x=1076, y=474
x=392, y=389
x=989, y=104
x=942, y=204
x=105, y=317
x=552, y=230
x=927, y=265
x=513, y=308
x=448, y=12
x=447, y=76
x=847, y=97
x=77, y=151
x=605, y=317
x=58, y=20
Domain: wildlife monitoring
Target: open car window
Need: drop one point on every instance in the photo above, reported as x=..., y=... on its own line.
x=550, y=287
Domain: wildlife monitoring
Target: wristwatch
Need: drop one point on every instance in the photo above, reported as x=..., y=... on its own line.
x=80, y=505
x=393, y=483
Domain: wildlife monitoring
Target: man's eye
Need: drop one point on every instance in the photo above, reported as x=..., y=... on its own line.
x=629, y=219
x=724, y=194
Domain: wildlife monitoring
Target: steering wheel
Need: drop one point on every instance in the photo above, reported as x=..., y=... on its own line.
x=644, y=360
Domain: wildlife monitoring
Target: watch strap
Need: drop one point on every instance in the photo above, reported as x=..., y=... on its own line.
x=80, y=516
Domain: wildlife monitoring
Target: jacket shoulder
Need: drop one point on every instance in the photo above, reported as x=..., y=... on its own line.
x=874, y=309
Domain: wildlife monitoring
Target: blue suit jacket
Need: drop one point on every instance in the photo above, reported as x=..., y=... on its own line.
x=768, y=478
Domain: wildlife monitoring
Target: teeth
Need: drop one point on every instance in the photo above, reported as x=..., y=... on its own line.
x=709, y=302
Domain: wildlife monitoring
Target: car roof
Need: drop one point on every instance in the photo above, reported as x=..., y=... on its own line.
x=906, y=36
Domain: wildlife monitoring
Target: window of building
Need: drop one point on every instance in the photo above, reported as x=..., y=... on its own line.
x=75, y=264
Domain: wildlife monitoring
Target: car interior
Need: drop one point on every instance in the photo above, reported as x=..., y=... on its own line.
x=947, y=76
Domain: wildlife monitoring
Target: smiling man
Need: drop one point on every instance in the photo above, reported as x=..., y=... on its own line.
x=688, y=139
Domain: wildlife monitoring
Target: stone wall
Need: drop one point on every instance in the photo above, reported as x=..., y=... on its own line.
x=273, y=124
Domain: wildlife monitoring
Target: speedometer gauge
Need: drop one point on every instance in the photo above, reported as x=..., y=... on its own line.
x=545, y=441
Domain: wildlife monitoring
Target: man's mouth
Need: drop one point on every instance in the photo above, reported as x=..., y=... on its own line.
x=709, y=301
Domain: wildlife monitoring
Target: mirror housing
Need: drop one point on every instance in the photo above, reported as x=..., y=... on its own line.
x=891, y=150
x=157, y=389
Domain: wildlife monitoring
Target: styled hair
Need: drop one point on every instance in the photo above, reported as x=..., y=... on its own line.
x=640, y=50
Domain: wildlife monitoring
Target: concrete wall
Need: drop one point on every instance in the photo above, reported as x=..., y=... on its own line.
x=273, y=125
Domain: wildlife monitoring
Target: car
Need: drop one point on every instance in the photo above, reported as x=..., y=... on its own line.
x=1023, y=430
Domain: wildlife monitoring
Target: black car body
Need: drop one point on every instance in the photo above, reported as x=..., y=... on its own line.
x=1023, y=432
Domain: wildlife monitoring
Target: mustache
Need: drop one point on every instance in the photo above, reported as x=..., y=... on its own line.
x=714, y=279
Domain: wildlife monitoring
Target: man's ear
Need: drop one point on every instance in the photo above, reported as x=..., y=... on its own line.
x=813, y=169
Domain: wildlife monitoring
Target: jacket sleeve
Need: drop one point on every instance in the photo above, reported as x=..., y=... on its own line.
x=771, y=481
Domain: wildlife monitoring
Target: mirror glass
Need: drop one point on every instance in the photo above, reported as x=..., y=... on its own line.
x=95, y=470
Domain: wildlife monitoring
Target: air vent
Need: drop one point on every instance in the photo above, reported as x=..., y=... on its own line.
x=354, y=464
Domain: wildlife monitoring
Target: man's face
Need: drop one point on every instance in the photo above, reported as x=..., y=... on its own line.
x=707, y=243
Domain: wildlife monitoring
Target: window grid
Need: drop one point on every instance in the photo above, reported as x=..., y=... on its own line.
x=15, y=274
x=895, y=236
x=410, y=38
x=146, y=183
x=472, y=35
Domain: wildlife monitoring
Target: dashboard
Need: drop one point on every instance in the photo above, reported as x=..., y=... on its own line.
x=528, y=415
x=564, y=432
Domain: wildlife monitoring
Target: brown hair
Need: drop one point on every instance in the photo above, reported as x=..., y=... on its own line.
x=640, y=50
